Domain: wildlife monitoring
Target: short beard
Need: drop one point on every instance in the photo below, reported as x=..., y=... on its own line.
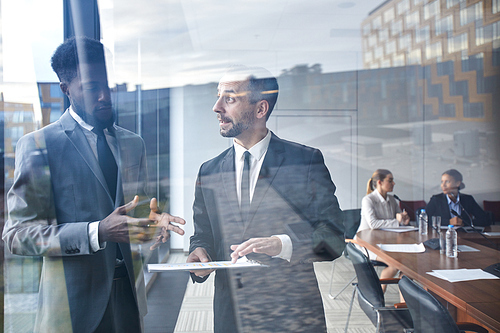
x=94, y=121
x=237, y=128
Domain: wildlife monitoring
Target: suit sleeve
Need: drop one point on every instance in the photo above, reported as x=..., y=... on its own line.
x=31, y=227
x=325, y=214
x=478, y=214
x=203, y=234
x=324, y=203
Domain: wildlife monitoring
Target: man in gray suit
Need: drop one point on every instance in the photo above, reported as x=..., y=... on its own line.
x=271, y=200
x=67, y=204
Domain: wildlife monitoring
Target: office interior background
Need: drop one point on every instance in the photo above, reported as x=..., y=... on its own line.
x=407, y=85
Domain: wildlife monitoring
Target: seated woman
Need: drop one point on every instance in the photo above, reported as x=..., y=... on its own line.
x=380, y=210
x=451, y=199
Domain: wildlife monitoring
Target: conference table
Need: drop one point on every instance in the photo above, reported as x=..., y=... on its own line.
x=475, y=301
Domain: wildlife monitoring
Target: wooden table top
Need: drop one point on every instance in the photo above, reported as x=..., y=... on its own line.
x=479, y=298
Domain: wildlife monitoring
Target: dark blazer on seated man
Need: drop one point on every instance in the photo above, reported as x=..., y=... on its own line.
x=438, y=206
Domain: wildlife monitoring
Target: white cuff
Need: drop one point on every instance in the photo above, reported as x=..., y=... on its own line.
x=94, y=237
x=286, y=247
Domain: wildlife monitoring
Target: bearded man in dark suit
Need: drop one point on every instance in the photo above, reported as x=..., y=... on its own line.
x=267, y=199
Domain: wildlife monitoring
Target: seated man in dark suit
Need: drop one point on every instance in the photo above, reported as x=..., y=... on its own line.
x=76, y=182
x=268, y=199
x=452, y=201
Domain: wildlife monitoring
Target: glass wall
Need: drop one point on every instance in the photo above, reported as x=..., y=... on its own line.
x=406, y=85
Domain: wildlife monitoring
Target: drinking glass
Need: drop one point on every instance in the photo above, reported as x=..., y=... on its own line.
x=436, y=223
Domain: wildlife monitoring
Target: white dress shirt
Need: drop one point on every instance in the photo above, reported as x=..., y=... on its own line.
x=257, y=155
x=113, y=145
x=377, y=212
x=454, y=205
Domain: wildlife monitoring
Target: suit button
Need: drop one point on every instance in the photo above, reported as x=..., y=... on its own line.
x=68, y=251
x=77, y=250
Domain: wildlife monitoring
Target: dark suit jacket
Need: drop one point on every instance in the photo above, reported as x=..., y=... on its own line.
x=438, y=206
x=58, y=190
x=294, y=194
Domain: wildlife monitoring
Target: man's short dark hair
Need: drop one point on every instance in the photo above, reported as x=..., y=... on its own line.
x=263, y=89
x=74, y=51
x=261, y=84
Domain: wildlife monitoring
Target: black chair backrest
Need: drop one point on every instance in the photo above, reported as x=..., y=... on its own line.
x=368, y=283
x=352, y=220
x=412, y=207
x=427, y=313
x=494, y=208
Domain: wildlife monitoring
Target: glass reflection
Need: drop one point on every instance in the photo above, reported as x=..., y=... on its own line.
x=406, y=85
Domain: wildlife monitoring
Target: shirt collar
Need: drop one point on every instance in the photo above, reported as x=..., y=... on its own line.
x=257, y=151
x=80, y=121
x=451, y=202
x=380, y=197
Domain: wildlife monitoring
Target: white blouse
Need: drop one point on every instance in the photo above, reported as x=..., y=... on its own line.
x=377, y=212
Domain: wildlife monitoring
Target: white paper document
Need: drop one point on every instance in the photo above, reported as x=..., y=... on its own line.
x=407, y=248
x=192, y=266
x=404, y=228
x=467, y=248
x=492, y=233
x=458, y=275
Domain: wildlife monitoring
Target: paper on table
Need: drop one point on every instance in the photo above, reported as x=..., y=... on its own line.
x=192, y=266
x=407, y=248
x=467, y=248
x=400, y=229
x=492, y=233
x=458, y=275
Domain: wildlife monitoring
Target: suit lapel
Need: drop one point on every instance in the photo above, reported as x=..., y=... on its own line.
x=270, y=167
x=78, y=139
x=228, y=180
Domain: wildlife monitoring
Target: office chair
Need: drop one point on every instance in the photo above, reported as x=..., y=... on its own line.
x=428, y=314
x=371, y=297
x=412, y=207
x=492, y=208
x=352, y=220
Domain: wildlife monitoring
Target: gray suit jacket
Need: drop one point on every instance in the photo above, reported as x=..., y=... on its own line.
x=58, y=190
x=294, y=195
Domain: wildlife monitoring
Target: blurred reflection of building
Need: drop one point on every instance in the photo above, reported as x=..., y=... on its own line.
x=51, y=102
x=18, y=119
x=456, y=42
x=143, y=112
x=147, y=113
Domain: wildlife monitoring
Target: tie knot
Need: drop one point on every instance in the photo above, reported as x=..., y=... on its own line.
x=247, y=155
x=98, y=131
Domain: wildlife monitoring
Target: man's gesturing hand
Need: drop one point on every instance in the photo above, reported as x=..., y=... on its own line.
x=163, y=221
x=266, y=245
x=120, y=228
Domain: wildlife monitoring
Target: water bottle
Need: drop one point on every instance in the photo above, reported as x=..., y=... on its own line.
x=423, y=222
x=451, y=242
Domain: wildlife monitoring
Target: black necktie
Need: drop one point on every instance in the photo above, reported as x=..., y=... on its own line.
x=109, y=169
x=245, y=187
x=106, y=162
